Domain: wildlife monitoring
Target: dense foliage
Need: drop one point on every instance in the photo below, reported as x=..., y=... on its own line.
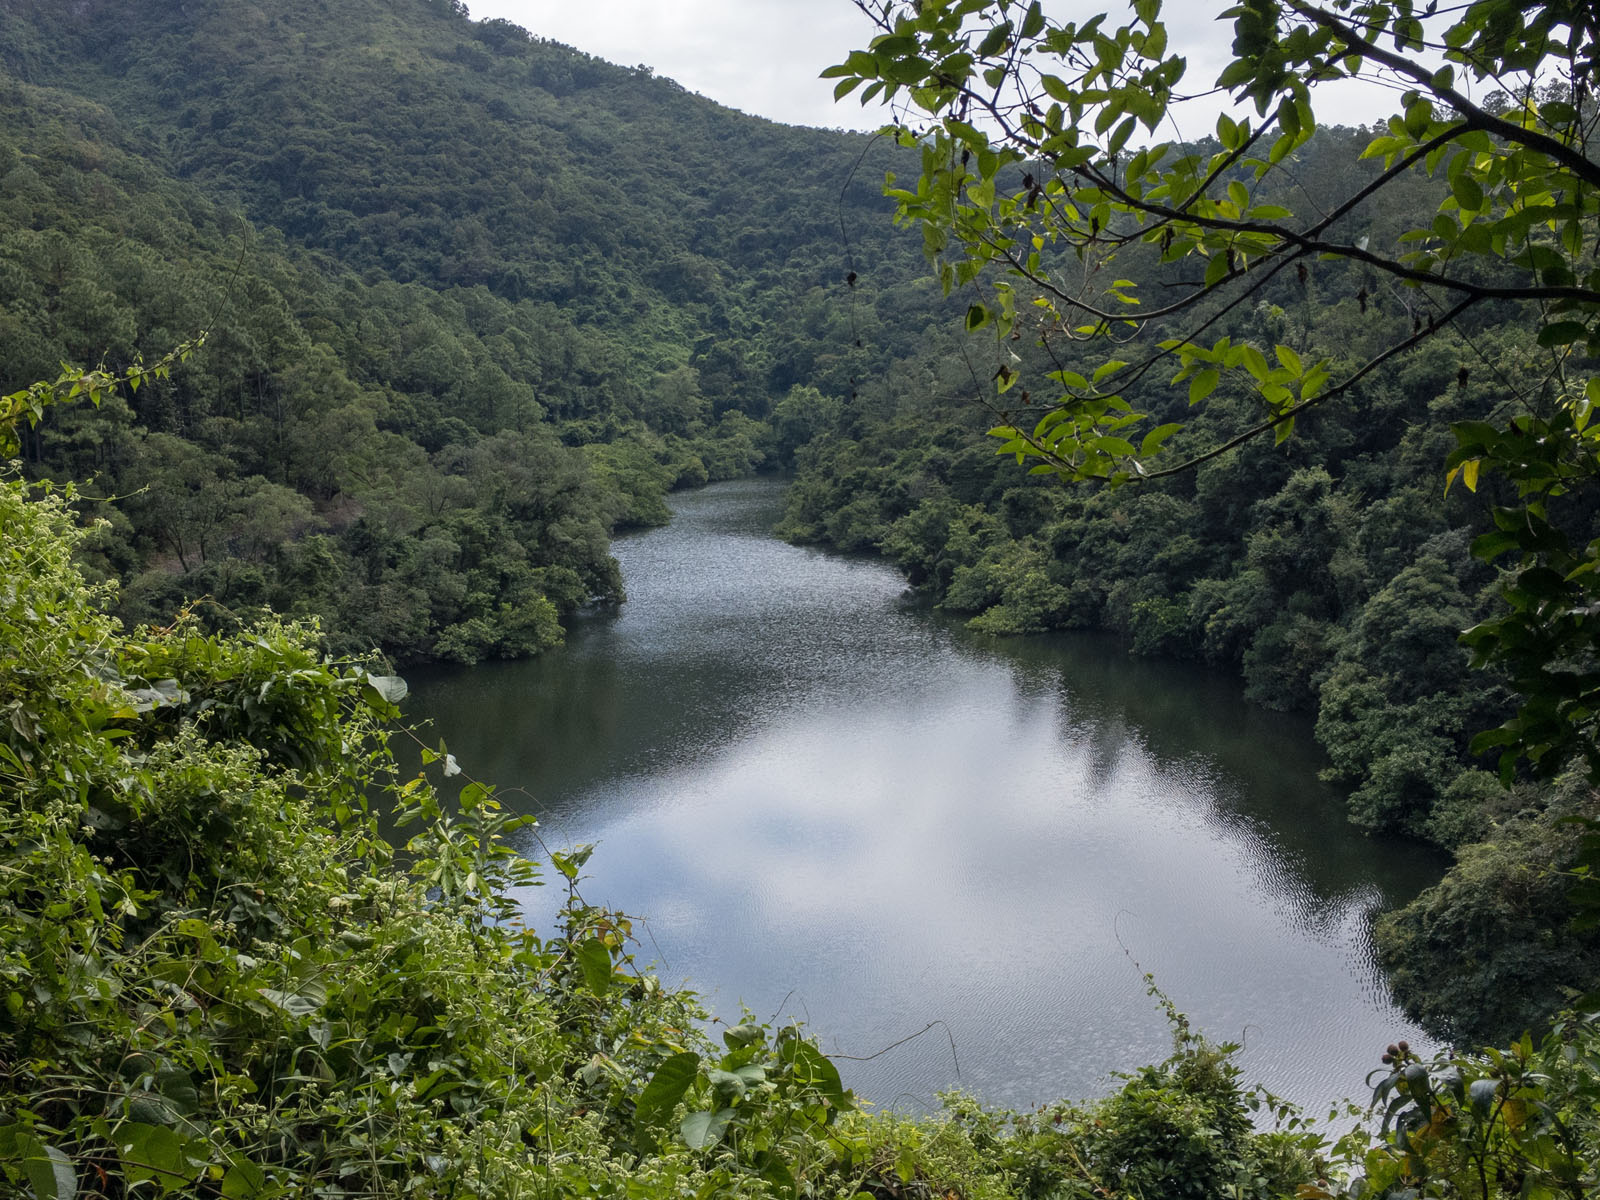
x=431, y=382
x=455, y=338
x=220, y=980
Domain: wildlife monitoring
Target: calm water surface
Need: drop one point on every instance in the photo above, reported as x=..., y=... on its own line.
x=834, y=805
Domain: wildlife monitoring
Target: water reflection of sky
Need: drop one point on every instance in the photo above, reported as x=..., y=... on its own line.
x=833, y=806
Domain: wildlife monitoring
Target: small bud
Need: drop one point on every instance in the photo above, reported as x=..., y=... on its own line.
x=1405, y=1047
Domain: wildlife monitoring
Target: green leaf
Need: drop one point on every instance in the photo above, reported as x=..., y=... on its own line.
x=995, y=40
x=1203, y=384
x=1475, y=435
x=1254, y=362
x=728, y=1082
x=155, y=1154
x=1120, y=135
x=1467, y=191
x=905, y=1164
x=859, y=63
x=594, y=959
x=1155, y=45
x=391, y=687
x=812, y=1070
x=308, y=1000
x=1057, y=89
x=1558, y=112
x=776, y=1172
x=977, y=317
x=1562, y=333
x=49, y=1171
x=243, y=1181
x=1489, y=546
x=666, y=1088
x=1120, y=447
x=473, y=795
x=154, y=1108
x=1153, y=440
x=702, y=1129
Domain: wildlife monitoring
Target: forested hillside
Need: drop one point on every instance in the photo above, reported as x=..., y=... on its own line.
x=455, y=337
x=456, y=303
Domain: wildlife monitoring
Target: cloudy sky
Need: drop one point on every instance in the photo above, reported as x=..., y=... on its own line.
x=763, y=56
x=759, y=56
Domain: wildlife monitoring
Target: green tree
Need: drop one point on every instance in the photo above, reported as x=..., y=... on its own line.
x=1481, y=955
x=1040, y=191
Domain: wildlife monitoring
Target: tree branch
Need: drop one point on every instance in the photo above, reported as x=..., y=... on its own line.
x=1476, y=117
x=1290, y=413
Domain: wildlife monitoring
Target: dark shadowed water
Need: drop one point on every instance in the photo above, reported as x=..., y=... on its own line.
x=833, y=804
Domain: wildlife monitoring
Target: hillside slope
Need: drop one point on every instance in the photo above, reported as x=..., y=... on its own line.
x=474, y=300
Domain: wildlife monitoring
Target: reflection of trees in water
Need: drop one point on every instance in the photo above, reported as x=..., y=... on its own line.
x=979, y=798
x=1251, y=774
x=665, y=690
x=527, y=726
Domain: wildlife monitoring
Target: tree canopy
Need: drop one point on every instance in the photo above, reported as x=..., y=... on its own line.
x=1051, y=185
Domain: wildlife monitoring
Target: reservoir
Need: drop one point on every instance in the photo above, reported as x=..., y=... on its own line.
x=828, y=803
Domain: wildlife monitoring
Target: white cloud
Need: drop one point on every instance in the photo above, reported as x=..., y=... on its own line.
x=759, y=56
x=764, y=56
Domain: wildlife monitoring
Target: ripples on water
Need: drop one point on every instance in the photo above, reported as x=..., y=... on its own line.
x=834, y=805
